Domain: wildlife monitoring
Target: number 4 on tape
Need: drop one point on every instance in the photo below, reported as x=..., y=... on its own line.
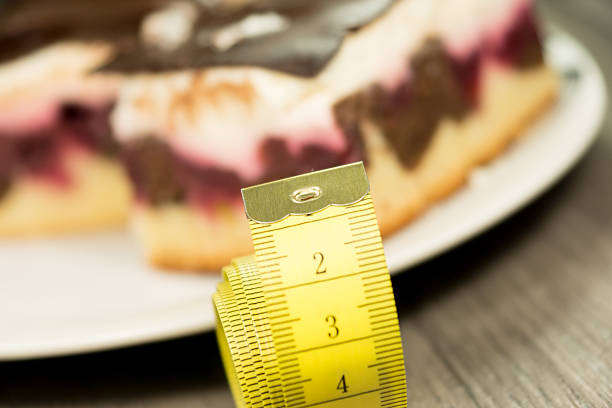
x=310, y=319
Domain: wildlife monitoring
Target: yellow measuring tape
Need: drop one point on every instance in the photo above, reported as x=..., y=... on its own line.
x=310, y=320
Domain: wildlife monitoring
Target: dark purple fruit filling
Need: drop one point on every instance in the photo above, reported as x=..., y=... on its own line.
x=89, y=127
x=522, y=46
x=467, y=73
x=40, y=153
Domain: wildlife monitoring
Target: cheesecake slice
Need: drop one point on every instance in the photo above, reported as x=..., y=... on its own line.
x=59, y=167
x=421, y=90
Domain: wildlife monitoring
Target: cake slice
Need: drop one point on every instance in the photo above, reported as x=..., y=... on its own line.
x=422, y=91
x=57, y=166
x=58, y=161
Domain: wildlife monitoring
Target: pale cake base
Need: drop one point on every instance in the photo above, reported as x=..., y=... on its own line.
x=98, y=197
x=178, y=237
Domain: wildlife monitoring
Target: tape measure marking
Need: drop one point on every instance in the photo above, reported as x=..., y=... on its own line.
x=311, y=321
x=360, y=270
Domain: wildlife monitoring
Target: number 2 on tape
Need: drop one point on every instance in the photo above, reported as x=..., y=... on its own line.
x=310, y=319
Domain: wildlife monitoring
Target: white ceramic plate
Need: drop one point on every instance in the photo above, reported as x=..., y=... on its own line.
x=71, y=295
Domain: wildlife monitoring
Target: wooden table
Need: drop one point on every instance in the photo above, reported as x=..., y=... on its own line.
x=519, y=317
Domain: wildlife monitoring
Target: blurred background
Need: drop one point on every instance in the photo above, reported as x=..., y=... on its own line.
x=520, y=316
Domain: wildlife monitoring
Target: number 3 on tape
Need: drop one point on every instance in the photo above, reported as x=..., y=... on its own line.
x=310, y=320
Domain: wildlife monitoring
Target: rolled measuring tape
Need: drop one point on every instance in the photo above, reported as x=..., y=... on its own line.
x=310, y=319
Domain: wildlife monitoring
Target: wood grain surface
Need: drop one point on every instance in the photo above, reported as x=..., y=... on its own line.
x=519, y=317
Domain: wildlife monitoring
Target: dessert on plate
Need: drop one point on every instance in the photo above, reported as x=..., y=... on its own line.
x=421, y=90
x=198, y=98
x=58, y=166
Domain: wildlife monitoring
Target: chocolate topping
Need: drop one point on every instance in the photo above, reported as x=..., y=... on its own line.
x=410, y=115
x=315, y=30
x=26, y=25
